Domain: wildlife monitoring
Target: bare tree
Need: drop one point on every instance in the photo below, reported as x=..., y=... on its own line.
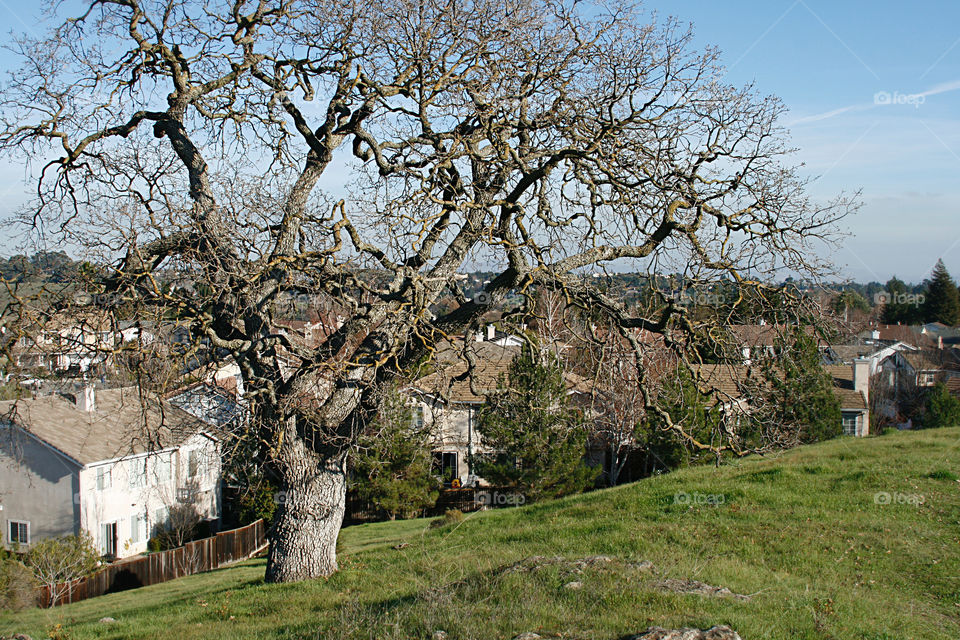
x=215, y=157
x=58, y=562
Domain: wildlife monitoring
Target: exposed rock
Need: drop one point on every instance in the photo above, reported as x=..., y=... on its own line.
x=439, y=635
x=527, y=635
x=16, y=636
x=698, y=588
x=535, y=563
x=721, y=632
x=107, y=620
x=402, y=545
x=576, y=584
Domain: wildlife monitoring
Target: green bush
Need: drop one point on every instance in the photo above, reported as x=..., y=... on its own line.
x=940, y=409
x=450, y=517
x=18, y=587
x=258, y=502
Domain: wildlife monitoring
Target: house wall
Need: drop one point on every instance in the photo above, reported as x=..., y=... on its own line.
x=37, y=485
x=453, y=429
x=128, y=495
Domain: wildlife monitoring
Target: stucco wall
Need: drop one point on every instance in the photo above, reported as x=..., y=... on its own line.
x=152, y=498
x=453, y=429
x=37, y=486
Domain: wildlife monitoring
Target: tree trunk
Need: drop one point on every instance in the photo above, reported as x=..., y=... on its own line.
x=303, y=539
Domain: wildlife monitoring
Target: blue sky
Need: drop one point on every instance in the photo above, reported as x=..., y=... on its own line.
x=834, y=63
x=874, y=95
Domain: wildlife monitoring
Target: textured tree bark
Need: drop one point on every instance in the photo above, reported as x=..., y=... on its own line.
x=303, y=539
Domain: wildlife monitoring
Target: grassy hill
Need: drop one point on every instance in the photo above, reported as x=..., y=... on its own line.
x=847, y=539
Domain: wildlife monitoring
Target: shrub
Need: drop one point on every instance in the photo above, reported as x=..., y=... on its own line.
x=450, y=517
x=940, y=408
x=258, y=502
x=18, y=587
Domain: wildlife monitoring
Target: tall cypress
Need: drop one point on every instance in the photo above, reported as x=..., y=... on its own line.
x=942, y=303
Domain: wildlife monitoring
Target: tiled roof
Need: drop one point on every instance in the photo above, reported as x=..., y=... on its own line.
x=762, y=335
x=122, y=424
x=933, y=360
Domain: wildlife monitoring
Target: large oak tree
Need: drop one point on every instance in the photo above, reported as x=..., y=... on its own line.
x=215, y=158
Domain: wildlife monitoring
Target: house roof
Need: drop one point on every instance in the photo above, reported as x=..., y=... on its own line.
x=901, y=333
x=850, y=398
x=933, y=360
x=727, y=382
x=762, y=335
x=122, y=424
x=208, y=403
x=451, y=382
x=850, y=352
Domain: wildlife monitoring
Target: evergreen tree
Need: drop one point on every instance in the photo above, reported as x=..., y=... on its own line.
x=942, y=303
x=901, y=306
x=940, y=409
x=540, y=438
x=800, y=396
x=687, y=405
x=392, y=466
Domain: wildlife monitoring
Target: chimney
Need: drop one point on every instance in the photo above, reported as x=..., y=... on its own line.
x=87, y=399
x=940, y=342
x=491, y=332
x=861, y=377
x=478, y=336
x=875, y=334
x=763, y=322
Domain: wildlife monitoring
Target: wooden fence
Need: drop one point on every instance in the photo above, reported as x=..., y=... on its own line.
x=194, y=557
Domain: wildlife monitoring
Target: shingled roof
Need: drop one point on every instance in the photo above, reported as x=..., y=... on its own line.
x=492, y=363
x=122, y=424
x=727, y=382
x=850, y=398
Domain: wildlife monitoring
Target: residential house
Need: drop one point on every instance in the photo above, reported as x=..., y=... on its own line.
x=77, y=341
x=447, y=402
x=727, y=385
x=108, y=462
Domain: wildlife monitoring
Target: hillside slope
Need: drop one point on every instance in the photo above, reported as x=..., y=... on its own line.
x=847, y=539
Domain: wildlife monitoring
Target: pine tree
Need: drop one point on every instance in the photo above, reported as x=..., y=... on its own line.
x=800, y=396
x=392, y=466
x=902, y=305
x=540, y=439
x=942, y=301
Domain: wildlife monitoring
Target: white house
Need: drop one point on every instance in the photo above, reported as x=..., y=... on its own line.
x=447, y=401
x=108, y=462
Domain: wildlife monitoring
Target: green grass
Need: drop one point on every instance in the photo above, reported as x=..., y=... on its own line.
x=832, y=541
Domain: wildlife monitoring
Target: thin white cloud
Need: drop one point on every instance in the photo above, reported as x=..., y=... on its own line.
x=943, y=87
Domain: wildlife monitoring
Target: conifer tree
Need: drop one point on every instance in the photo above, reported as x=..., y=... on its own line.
x=392, y=466
x=540, y=440
x=942, y=302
